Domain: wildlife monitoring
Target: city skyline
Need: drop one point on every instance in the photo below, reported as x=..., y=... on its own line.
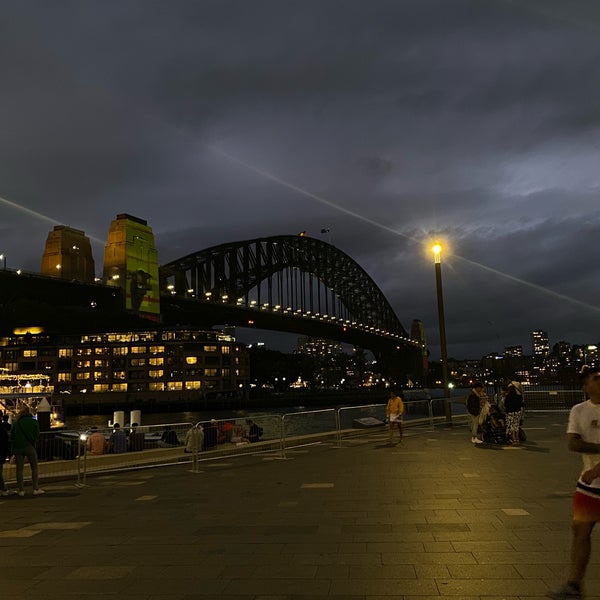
x=376, y=128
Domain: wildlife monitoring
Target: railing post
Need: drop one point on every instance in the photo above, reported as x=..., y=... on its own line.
x=282, y=437
x=430, y=408
x=338, y=425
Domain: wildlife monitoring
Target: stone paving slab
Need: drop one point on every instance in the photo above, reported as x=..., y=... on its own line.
x=435, y=517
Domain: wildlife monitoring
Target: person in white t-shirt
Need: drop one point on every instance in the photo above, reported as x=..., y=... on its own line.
x=583, y=436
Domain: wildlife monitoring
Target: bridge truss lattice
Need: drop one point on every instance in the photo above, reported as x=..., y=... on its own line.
x=293, y=275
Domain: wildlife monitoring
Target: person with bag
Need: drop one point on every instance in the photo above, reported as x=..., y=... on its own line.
x=24, y=435
x=513, y=404
x=394, y=411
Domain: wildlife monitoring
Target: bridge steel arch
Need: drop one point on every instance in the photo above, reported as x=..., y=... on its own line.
x=295, y=275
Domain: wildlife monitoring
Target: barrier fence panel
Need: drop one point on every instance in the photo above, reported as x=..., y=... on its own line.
x=559, y=400
x=57, y=458
x=304, y=426
x=357, y=420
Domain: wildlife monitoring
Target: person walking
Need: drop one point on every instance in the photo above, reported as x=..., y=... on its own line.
x=394, y=411
x=475, y=400
x=24, y=435
x=583, y=436
x=513, y=405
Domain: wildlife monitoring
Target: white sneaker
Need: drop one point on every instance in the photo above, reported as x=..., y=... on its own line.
x=39, y=492
x=477, y=441
x=20, y=494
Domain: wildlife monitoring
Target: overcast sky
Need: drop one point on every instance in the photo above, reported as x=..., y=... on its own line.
x=388, y=122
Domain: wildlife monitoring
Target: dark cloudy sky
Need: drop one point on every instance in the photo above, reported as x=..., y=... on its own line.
x=402, y=120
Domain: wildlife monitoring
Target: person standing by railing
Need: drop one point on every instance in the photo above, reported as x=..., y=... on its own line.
x=24, y=435
x=475, y=401
x=5, y=453
x=394, y=411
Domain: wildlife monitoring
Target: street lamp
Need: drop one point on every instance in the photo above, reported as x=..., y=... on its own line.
x=437, y=255
x=3, y=259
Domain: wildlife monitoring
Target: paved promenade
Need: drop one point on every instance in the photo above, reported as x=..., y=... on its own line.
x=433, y=518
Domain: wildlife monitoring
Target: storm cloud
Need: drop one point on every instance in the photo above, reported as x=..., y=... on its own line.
x=403, y=122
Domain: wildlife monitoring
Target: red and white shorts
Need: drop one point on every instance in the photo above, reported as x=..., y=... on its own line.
x=586, y=507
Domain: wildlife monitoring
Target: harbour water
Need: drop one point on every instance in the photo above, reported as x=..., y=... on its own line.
x=84, y=422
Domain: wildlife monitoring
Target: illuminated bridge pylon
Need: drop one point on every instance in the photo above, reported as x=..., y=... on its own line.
x=293, y=276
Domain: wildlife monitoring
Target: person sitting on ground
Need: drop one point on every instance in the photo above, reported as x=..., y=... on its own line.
x=226, y=432
x=211, y=435
x=254, y=431
x=118, y=440
x=169, y=438
x=495, y=428
x=96, y=443
x=137, y=439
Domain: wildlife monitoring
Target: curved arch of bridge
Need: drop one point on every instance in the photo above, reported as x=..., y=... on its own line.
x=298, y=275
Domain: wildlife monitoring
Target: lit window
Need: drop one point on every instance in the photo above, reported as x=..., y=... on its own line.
x=101, y=387
x=155, y=374
x=83, y=376
x=119, y=387
x=157, y=349
x=193, y=385
x=29, y=353
x=225, y=349
x=65, y=352
x=210, y=348
x=211, y=372
x=173, y=386
x=120, y=351
x=156, y=361
x=64, y=377
x=191, y=360
x=138, y=349
x=156, y=386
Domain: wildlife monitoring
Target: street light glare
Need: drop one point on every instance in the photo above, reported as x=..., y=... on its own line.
x=436, y=249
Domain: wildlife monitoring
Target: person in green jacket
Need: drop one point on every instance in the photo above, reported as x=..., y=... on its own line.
x=24, y=434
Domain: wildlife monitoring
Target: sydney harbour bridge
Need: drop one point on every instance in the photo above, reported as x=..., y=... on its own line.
x=289, y=283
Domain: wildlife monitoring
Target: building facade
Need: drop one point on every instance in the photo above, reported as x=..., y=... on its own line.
x=146, y=368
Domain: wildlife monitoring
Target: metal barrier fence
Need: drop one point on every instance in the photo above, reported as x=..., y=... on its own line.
x=74, y=454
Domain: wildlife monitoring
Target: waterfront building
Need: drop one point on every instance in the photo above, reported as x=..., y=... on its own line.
x=145, y=368
x=68, y=255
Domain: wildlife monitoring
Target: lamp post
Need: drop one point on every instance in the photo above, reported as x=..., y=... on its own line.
x=3, y=259
x=437, y=254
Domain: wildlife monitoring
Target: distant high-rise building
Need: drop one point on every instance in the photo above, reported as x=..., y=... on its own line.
x=513, y=351
x=68, y=255
x=318, y=346
x=540, y=346
x=131, y=263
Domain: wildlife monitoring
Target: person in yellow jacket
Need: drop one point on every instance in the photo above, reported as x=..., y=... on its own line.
x=394, y=412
